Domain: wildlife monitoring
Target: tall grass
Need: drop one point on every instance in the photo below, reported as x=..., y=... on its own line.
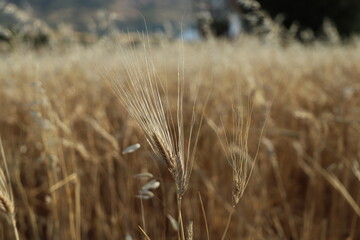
x=63, y=132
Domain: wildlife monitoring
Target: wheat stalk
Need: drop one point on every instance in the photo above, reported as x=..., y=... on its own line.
x=7, y=205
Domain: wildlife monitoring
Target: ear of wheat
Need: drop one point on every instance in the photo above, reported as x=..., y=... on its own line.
x=7, y=205
x=140, y=92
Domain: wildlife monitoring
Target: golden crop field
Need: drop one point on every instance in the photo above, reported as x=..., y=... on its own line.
x=239, y=140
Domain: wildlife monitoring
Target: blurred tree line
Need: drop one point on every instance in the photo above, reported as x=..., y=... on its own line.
x=310, y=14
x=306, y=14
x=51, y=5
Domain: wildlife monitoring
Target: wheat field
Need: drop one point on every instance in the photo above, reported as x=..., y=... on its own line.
x=276, y=156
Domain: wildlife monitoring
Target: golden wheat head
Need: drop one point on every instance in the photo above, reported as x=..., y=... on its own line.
x=140, y=93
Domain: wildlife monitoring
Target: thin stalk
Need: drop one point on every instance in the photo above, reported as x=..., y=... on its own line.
x=180, y=220
x=144, y=233
x=13, y=223
x=143, y=214
x=205, y=219
x=228, y=223
x=78, y=207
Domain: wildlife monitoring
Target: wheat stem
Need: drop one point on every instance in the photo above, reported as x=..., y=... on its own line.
x=13, y=223
x=181, y=233
x=143, y=214
x=204, y=215
x=228, y=223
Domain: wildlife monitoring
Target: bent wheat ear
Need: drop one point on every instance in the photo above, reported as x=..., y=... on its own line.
x=235, y=146
x=7, y=205
x=238, y=155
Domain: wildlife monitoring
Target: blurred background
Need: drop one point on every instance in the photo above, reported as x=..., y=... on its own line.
x=64, y=131
x=41, y=21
